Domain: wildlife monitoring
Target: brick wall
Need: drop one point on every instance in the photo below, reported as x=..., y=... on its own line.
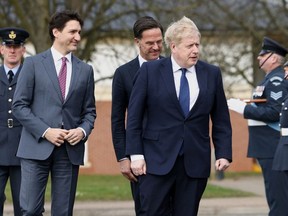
x=101, y=157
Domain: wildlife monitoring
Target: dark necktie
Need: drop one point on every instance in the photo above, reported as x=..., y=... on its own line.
x=10, y=76
x=184, y=93
x=62, y=77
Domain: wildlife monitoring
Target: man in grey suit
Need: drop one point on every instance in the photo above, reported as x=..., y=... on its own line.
x=148, y=36
x=57, y=118
x=12, y=50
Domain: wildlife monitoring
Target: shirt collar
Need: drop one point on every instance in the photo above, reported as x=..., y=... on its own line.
x=141, y=60
x=57, y=56
x=176, y=67
x=15, y=69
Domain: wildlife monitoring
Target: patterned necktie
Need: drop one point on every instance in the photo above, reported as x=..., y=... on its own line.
x=184, y=93
x=62, y=77
x=10, y=76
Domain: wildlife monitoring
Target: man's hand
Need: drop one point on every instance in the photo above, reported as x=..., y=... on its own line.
x=126, y=170
x=74, y=136
x=236, y=105
x=138, y=167
x=56, y=136
x=222, y=164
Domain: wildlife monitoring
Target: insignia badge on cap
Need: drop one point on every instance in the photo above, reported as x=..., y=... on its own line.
x=12, y=35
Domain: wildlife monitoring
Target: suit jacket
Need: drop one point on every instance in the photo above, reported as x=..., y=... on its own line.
x=38, y=105
x=123, y=80
x=9, y=137
x=166, y=127
x=121, y=89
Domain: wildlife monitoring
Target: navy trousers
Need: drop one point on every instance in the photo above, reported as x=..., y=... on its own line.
x=174, y=194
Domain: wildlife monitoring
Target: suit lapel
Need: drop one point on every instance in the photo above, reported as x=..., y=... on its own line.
x=74, y=76
x=168, y=77
x=201, y=74
x=135, y=65
x=14, y=81
x=4, y=79
x=202, y=77
x=51, y=71
x=3, y=76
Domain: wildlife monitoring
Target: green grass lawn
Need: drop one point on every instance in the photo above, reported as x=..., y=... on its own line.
x=100, y=187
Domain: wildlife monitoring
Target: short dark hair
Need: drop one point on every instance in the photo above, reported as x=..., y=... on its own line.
x=145, y=23
x=59, y=19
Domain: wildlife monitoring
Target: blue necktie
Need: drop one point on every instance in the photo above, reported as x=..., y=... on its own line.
x=184, y=93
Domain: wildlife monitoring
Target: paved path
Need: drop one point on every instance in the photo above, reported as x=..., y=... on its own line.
x=248, y=206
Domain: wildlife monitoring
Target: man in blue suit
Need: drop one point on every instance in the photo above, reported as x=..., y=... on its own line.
x=171, y=153
x=54, y=101
x=12, y=50
x=148, y=36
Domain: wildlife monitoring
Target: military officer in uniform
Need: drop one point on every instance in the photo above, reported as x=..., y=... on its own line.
x=280, y=163
x=263, y=117
x=12, y=50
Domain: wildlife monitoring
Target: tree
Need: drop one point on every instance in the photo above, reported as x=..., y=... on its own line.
x=245, y=22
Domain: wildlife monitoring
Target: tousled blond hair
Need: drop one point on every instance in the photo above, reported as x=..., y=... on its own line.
x=180, y=29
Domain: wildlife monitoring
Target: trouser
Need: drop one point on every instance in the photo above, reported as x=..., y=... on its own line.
x=176, y=191
x=35, y=175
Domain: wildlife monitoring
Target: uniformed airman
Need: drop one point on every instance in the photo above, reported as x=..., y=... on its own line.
x=12, y=50
x=263, y=117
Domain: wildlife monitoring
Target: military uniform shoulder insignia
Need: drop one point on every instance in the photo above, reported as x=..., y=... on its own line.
x=276, y=80
x=276, y=95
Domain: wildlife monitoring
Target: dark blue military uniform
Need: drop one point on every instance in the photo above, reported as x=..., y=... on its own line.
x=280, y=163
x=9, y=126
x=263, y=118
x=263, y=122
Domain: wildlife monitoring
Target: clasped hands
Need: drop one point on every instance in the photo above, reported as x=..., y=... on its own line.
x=236, y=105
x=57, y=136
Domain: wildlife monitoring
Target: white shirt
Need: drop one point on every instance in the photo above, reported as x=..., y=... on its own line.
x=57, y=58
x=141, y=60
x=192, y=81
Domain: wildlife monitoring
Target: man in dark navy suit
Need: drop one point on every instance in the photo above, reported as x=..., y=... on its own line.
x=263, y=117
x=12, y=50
x=171, y=153
x=148, y=34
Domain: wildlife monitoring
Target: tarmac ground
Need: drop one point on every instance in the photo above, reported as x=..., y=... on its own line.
x=239, y=206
